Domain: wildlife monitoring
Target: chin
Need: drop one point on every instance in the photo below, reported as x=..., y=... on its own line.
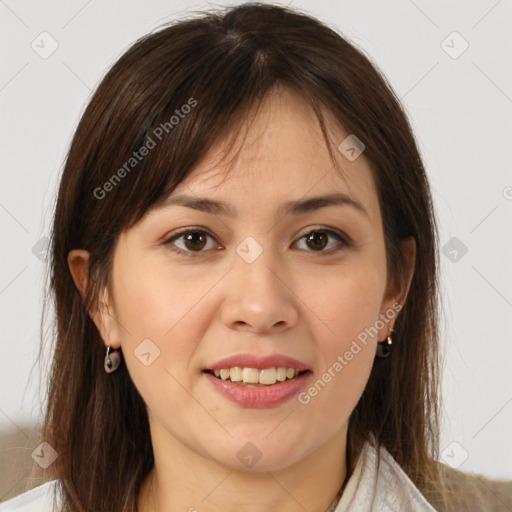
x=262, y=465
x=259, y=455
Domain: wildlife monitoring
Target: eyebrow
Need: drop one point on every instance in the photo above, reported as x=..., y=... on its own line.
x=296, y=207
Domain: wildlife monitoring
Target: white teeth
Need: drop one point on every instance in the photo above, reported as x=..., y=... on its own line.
x=235, y=374
x=267, y=376
x=281, y=374
x=250, y=375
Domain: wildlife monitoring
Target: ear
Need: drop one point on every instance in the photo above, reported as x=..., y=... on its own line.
x=101, y=314
x=396, y=296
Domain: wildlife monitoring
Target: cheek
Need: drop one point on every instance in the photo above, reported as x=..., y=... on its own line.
x=159, y=312
x=161, y=307
x=157, y=304
x=348, y=304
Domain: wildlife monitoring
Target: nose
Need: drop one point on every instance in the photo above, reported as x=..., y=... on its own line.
x=258, y=297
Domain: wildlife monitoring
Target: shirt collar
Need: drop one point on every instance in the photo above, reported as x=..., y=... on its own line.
x=380, y=487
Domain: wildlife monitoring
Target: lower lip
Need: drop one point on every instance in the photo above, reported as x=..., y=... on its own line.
x=259, y=396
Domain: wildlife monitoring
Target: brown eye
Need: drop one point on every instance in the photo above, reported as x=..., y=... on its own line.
x=191, y=241
x=319, y=239
x=195, y=240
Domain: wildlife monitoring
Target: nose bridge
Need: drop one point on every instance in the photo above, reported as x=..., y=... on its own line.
x=256, y=296
x=253, y=265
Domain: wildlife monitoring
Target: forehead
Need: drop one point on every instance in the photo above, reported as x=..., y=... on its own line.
x=280, y=154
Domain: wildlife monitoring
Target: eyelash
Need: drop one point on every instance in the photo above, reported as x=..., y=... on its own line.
x=330, y=232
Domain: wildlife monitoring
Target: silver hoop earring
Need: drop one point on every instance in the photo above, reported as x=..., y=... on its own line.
x=112, y=361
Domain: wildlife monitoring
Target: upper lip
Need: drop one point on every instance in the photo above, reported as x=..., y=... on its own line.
x=260, y=363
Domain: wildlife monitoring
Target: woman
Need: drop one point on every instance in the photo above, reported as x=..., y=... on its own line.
x=245, y=278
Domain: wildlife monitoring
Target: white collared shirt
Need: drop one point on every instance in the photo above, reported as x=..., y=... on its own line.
x=380, y=488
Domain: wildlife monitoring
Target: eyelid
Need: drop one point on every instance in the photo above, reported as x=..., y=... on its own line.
x=341, y=237
x=326, y=229
x=183, y=231
x=345, y=241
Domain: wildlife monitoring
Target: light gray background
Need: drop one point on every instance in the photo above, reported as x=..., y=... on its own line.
x=461, y=112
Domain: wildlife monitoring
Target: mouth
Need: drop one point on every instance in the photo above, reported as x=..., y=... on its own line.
x=254, y=377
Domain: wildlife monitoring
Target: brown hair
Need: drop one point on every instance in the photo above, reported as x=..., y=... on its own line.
x=221, y=64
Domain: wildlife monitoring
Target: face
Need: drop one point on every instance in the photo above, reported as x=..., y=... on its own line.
x=191, y=287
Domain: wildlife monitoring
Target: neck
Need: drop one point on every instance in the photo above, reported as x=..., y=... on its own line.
x=184, y=480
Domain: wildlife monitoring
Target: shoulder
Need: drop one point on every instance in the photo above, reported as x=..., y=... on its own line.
x=463, y=491
x=379, y=483
x=474, y=493
x=38, y=499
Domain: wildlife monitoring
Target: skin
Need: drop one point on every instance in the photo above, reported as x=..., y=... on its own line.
x=294, y=299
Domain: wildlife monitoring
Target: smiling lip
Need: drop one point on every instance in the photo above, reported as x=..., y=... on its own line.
x=256, y=396
x=259, y=396
x=260, y=363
